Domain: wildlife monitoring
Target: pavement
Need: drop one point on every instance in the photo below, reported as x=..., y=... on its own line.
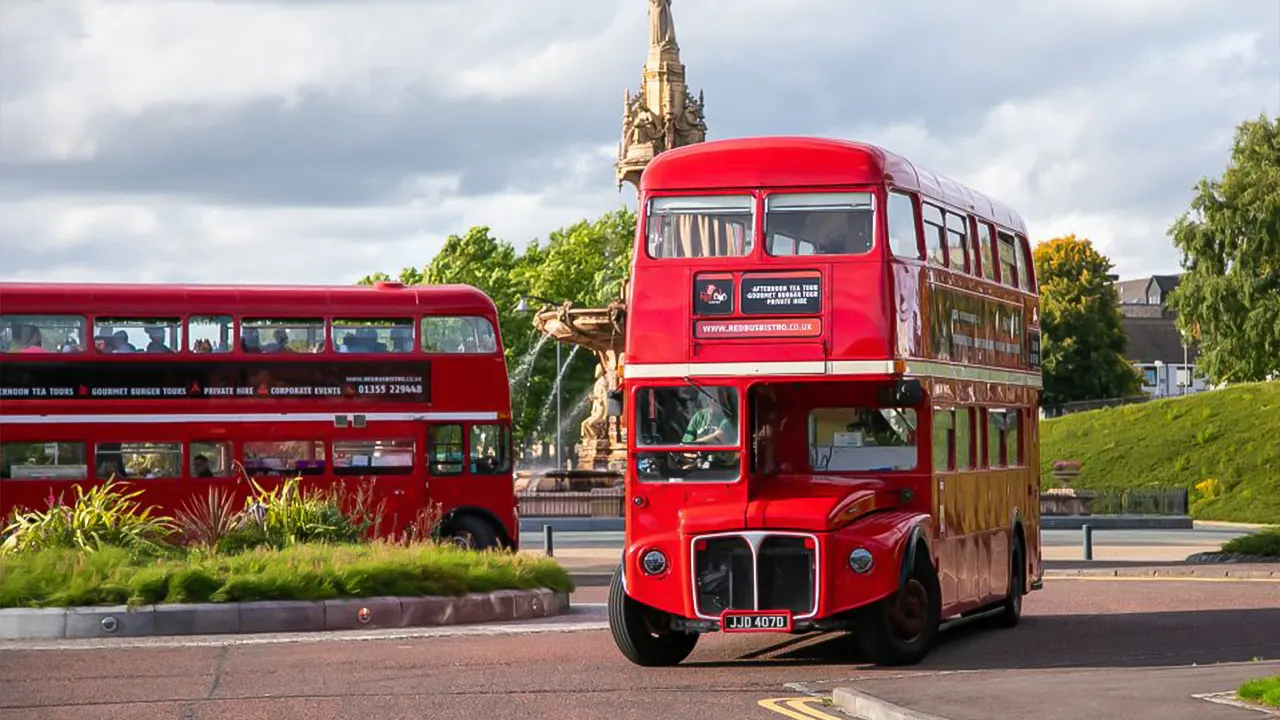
x=592, y=556
x=1101, y=650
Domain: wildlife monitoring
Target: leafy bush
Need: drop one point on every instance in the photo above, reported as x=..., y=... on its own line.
x=1260, y=544
x=285, y=516
x=100, y=517
x=62, y=577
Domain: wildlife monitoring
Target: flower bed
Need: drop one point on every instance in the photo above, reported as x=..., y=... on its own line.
x=286, y=544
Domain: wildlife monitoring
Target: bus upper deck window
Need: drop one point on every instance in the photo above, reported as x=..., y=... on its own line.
x=704, y=226
x=41, y=333
x=819, y=223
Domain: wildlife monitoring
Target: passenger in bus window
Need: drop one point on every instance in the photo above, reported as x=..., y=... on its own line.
x=30, y=339
x=250, y=341
x=109, y=466
x=281, y=342
x=402, y=339
x=120, y=343
x=200, y=467
x=156, y=335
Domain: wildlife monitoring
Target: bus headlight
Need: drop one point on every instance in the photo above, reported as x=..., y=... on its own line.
x=654, y=562
x=860, y=560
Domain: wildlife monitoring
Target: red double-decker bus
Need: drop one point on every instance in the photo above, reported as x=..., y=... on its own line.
x=169, y=387
x=832, y=381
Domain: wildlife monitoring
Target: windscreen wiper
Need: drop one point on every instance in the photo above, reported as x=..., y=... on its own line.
x=708, y=395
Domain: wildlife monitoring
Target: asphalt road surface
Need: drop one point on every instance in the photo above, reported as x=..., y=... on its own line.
x=1074, y=625
x=1052, y=538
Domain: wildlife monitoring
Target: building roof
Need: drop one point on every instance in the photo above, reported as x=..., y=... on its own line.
x=1155, y=338
x=1134, y=292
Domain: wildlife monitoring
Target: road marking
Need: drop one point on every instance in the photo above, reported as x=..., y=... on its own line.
x=1164, y=578
x=799, y=708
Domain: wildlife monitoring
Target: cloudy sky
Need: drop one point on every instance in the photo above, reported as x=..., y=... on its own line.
x=303, y=141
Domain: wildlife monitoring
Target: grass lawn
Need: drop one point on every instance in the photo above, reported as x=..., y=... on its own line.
x=110, y=576
x=1222, y=445
x=1264, y=691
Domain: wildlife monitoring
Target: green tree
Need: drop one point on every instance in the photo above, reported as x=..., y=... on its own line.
x=586, y=262
x=1229, y=297
x=1083, y=342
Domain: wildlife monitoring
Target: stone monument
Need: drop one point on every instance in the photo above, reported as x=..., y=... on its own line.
x=662, y=116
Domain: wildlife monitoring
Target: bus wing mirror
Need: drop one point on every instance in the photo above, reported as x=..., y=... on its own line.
x=903, y=393
x=613, y=403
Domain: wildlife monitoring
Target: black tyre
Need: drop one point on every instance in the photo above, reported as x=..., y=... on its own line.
x=901, y=629
x=473, y=533
x=638, y=631
x=1011, y=608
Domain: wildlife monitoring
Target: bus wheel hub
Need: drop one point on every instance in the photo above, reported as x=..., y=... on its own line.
x=910, y=611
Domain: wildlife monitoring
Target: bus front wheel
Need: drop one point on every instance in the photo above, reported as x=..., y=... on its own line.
x=901, y=629
x=637, y=632
x=1011, y=609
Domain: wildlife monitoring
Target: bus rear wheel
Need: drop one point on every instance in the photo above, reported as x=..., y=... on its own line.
x=637, y=634
x=901, y=629
x=472, y=533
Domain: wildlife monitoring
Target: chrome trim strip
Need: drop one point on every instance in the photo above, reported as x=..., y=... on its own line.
x=754, y=539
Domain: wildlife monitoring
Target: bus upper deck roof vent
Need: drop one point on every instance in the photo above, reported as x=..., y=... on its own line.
x=389, y=285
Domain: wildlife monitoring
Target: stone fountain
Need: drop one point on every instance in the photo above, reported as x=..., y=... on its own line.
x=603, y=446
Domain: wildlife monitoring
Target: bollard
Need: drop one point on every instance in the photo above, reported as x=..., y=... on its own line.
x=1088, y=542
x=548, y=541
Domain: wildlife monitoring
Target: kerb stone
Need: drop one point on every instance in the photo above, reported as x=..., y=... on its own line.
x=197, y=619
x=346, y=614
x=110, y=621
x=281, y=616
x=33, y=623
x=426, y=611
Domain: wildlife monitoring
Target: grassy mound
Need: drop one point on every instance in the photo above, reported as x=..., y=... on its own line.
x=1224, y=446
x=111, y=576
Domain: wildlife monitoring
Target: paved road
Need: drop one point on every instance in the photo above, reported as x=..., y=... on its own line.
x=1052, y=538
x=1073, y=625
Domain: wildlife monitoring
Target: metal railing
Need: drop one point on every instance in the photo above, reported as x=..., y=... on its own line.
x=1052, y=411
x=596, y=503
x=1142, y=501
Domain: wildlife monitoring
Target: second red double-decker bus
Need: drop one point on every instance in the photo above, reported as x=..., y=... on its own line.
x=169, y=387
x=831, y=381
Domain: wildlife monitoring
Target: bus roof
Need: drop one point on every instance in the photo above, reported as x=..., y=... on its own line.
x=785, y=161
x=181, y=299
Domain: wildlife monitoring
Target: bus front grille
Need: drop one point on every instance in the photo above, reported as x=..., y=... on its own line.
x=755, y=571
x=785, y=571
x=724, y=578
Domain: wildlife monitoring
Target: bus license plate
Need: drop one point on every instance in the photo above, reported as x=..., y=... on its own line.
x=756, y=622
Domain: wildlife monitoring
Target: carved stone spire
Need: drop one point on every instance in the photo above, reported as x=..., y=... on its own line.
x=663, y=115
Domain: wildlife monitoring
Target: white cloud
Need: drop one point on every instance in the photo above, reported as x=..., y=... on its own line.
x=1088, y=116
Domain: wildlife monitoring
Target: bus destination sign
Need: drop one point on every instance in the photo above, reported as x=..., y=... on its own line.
x=784, y=293
x=404, y=382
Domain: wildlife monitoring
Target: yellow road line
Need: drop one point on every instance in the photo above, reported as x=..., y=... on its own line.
x=797, y=708
x=1161, y=578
